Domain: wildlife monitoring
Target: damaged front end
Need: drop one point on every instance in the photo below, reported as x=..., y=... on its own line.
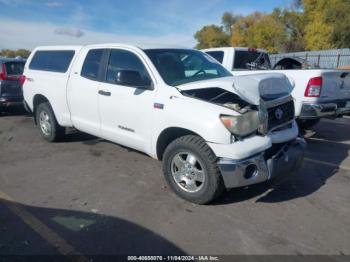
x=261, y=118
x=245, y=123
x=263, y=121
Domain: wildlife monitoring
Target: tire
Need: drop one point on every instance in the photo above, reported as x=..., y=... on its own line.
x=190, y=169
x=48, y=125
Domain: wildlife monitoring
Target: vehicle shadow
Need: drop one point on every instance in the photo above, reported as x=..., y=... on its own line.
x=14, y=111
x=72, y=136
x=40, y=231
x=322, y=161
x=332, y=130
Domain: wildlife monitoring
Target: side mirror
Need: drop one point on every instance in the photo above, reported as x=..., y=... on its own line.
x=132, y=78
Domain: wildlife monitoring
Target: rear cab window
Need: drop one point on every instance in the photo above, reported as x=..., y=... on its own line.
x=218, y=55
x=14, y=68
x=52, y=60
x=245, y=59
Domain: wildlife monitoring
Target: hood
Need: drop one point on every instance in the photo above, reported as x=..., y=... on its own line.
x=251, y=88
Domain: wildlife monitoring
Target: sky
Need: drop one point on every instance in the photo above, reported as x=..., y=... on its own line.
x=31, y=23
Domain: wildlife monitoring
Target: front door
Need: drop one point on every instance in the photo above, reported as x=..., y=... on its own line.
x=126, y=110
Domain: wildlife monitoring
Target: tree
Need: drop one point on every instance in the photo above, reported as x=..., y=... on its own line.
x=318, y=32
x=339, y=17
x=241, y=30
x=14, y=53
x=294, y=22
x=306, y=25
x=211, y=36
x=260, y=31
x=228, y=20
x=328, y=24
x=23, y=53
x=269, y=34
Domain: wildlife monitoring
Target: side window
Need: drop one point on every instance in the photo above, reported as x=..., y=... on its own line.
x=53, y=61
x=92, y=64
x=122, y=61
x=218, y=55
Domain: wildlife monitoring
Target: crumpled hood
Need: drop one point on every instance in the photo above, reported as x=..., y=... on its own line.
x=249, y=87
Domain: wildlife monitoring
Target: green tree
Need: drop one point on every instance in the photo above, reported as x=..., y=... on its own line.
x=318, y=33
x=228, y=20
x=339, y=17
x=328, y=24
x=242, y=30
x=294, y=23
x=7, y=53
x=23, y=53
x=269, y=33
x=14, y=53
x=259, y=30
x=211, y=36
x=306, y=25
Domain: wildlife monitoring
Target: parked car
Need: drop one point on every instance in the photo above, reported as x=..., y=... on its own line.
x=11, y=80
x=210, y=129
x=317, y=93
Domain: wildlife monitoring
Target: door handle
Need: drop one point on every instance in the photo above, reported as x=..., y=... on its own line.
x=104, y=93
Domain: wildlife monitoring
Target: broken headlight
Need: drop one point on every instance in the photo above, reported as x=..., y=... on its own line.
x=242, y=125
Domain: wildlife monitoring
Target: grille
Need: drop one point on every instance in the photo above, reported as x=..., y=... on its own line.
x=281, y=114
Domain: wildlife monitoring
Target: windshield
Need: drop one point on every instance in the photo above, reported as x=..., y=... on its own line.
x=181, y=66
x=14, y=68
x=251, y=60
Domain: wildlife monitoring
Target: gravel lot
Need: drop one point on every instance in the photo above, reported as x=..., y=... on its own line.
x=88, y=196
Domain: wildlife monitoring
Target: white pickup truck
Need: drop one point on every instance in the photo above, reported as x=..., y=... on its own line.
x=317, y=93
x=211, y=130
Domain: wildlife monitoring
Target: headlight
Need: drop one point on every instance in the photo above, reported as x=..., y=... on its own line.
x=242, y=125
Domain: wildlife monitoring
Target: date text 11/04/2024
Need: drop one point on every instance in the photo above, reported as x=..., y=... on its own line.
x=173, y=258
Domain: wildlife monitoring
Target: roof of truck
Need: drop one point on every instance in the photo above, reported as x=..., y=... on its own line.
x=140, y=46
x=239, y=48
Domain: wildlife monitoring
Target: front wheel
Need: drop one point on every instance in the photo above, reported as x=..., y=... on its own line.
x=49, y=127
x=191, y=170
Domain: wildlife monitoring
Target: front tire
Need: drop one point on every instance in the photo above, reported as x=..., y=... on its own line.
x=49, y=127
x=190, y=169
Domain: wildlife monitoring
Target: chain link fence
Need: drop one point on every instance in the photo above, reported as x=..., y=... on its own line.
x=329, y=59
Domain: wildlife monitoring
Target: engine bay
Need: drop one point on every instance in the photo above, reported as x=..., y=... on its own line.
x=221, y=97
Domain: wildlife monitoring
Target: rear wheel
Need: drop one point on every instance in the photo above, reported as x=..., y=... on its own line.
x=49, y=127
x=191, y=170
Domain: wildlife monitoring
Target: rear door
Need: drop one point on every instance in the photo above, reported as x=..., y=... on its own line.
x=83, y=89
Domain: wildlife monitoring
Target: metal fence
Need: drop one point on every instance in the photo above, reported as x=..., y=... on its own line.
x=325, y=59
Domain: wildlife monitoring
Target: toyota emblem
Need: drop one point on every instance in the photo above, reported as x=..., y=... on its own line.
x=279, y=113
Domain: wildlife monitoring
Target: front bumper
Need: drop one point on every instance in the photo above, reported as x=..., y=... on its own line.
x=264, y=166
x=329, y=109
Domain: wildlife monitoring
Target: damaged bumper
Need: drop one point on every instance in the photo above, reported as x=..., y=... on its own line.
x=329, y=109
x=263, y=166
